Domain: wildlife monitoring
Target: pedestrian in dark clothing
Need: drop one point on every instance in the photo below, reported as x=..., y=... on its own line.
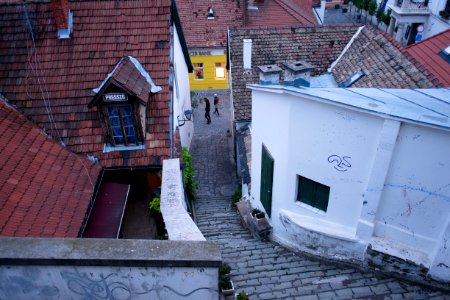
x=207, y=109
x=216, y=105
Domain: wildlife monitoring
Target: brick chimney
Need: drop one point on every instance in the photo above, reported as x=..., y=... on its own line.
x=298, y=73
x=63, y=18
x=269, y=75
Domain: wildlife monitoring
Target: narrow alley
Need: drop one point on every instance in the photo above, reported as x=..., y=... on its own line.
x=265, y=270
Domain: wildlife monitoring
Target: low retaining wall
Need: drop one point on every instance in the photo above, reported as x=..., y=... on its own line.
x=53, y=268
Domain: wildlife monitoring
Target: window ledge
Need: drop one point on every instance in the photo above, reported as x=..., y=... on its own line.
x=311, y=208
x=108, y=148
x=324, y=227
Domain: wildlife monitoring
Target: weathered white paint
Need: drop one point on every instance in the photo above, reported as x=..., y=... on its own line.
x=435, y=25
x=393, y=188
x=181, y=94
x=440, y=267
x=96, y=282
x=415, y=202
x=179, y=224
x=74, y=268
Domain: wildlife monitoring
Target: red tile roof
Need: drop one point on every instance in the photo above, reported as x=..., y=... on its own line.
x=128, y=75
x=64, y=72
x=382, y=60
x=45, y=189
x=201, y=32
x=281, y=13
x=426, y=53
x=317, y=45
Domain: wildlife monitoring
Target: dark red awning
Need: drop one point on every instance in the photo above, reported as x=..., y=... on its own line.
x=106, y=216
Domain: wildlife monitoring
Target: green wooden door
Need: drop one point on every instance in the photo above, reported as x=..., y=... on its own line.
x=266, y=180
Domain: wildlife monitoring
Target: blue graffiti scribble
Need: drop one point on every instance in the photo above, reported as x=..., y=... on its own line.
x=187, y=294
x=341, y=163
x=434, y=193
x=102, y=288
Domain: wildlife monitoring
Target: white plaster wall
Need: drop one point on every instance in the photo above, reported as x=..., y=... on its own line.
x=440, y=267
x=435, y=25
x=270, y=124
x=179, y=224
x=416, y=197
x=182, y=93
x=393, y=194
x=436, y=5
x=89, y=282
x=319, y=131
x=301, y=135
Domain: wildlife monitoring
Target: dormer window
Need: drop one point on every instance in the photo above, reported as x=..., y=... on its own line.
x=121, y=100
x=123, y=125
x=210, y=14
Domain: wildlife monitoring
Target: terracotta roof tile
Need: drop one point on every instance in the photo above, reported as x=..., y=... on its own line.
x=201, y=32
x=317, y=45
x=35, y=177
x=281, y=13
x=64, y=72
x=382, y=60
x=426, y=53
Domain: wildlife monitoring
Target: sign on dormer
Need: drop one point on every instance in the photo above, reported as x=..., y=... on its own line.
x=115, y=97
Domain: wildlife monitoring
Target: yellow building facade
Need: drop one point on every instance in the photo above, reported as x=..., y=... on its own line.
x=209, y=70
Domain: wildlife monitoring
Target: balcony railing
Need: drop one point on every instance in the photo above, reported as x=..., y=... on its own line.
x=412, y=5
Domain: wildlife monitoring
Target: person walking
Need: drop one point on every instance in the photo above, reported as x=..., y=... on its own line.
x=207, y=109
x=216, y=105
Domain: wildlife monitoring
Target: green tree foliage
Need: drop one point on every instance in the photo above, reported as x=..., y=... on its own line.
x=154, y=205
x=372, y=9
x=387, y=17
x=190, y=185
x=380, y=15
x=358, y=4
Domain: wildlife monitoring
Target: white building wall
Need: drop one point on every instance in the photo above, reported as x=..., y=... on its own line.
x=402, y=169
x=415, y=202
x=435, y=25
x=181, y=94
x=264, y=130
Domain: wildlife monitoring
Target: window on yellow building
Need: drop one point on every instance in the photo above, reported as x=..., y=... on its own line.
x=198, y=71
x=220, y=71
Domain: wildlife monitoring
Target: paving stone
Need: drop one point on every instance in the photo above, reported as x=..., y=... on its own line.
x=309, y=297
x=263, y=269
x=326, y=295
x=362, y=290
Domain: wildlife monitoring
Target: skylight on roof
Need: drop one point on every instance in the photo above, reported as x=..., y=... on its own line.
x=445, y=54
x=447, y=50
x=354, y=78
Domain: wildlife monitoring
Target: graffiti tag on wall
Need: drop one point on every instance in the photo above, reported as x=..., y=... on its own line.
x=341, y=164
